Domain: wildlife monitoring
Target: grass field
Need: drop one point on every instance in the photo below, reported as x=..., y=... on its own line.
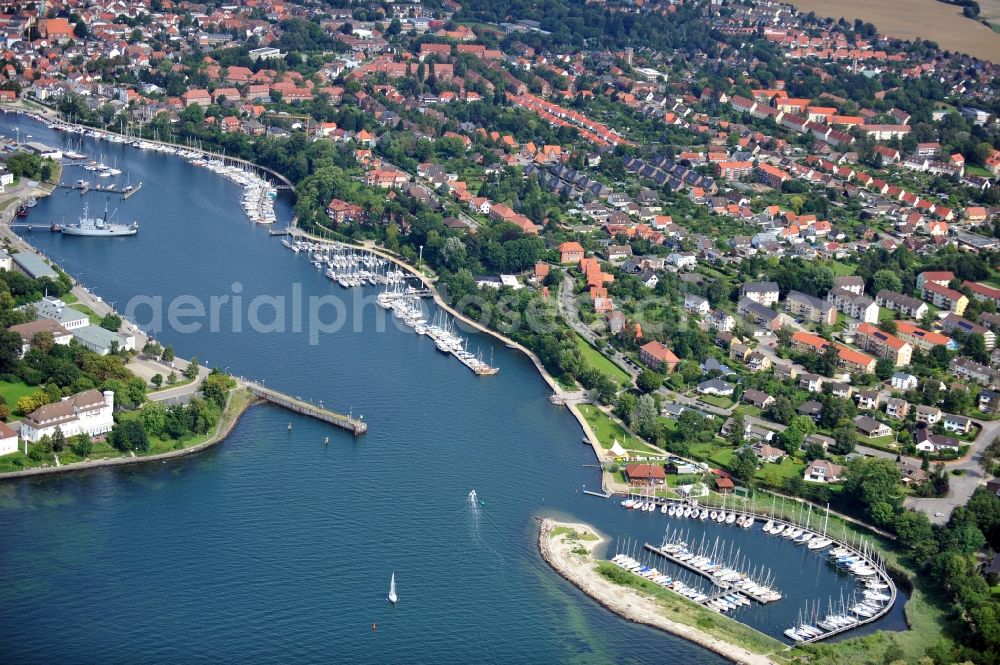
x=607, y=431
x=841, y=269
x=11, y=392
x=599, y=362
x=774, y=474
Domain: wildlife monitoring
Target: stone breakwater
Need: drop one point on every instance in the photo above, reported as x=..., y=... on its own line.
x=625, y=602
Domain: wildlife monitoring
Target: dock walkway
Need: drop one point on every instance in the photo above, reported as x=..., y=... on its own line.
x=356, y=426
x=725, y=586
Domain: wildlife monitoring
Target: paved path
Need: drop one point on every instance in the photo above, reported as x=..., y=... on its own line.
x=961, y=486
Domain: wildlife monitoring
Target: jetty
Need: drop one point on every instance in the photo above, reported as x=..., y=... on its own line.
x=131, y=191
x=725, y=586
x=356, y=426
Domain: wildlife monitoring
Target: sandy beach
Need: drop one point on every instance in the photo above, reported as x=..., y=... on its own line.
x=557, y=550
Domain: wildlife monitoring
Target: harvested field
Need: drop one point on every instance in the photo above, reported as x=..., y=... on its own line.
x=926, y=19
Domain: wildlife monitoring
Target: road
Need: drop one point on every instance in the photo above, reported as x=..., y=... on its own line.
x=961, y=486
x=571, y=314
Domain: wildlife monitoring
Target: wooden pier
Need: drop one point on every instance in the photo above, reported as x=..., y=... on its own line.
x=603, y=495
x=356, y=426
x=132, y=191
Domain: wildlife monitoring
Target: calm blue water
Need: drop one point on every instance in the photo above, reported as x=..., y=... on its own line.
x=276, y=547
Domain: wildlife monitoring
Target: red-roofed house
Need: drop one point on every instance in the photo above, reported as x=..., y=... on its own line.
x=656, y=355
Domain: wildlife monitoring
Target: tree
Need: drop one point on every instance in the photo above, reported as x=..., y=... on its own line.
x=10, y=351
x=171, y=378
x=814, y=451
x=191, y=371
x=216, y=388
x=782, y=411
x=644, y=417
x=157, y=380
x=58, y=440
x=886, y=279
x=648, y=381
x=737, y=428
x=82, y=444
x=791, y=440
x=884, y=367
x=871, y=481
x=153, y=416
x=111, y=322
x=129, y=435
x=845, y=440
x=744, y=465
x=168, y=354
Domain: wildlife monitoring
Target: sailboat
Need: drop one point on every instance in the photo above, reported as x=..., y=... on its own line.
x=392, y=589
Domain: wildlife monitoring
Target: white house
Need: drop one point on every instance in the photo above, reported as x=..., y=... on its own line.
x=89, y=411
x=696, y=304
x=8, y=440
x=903, y=381
x=957, y=424
x=823, y=471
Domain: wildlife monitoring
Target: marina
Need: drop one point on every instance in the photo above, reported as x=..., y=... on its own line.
x=289, y=506
x=351, y=267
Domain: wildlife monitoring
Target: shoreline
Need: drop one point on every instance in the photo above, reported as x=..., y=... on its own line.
x=429, y=283
x=626, y=603
x=222, y=432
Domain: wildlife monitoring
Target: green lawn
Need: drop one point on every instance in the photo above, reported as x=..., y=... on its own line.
x=723, y=457
x=607, y=431
x=841, y=269
x=598, y=361
x=716, y=400
x=886, y=314
x=94, y=318
x=775, y=474
x=11, y=392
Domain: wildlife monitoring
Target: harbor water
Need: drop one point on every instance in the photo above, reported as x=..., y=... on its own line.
x=277, y=547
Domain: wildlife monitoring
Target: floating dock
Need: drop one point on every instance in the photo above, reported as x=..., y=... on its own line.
x=356, y=426
x=725, y=586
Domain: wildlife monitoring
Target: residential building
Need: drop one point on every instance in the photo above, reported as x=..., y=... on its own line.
x=823, y=471
x=928, y=415
x=811, y=382
x=757, y=398
x=89, y=411
x=965, y=368
x=810, y=308
x=657, y=356
x=903, y=381
x=918, y=338
x=570, y=252
x=897, y=302
x=854, y=305
x=760, y=315
x=696, y=304
x=926, y=442
x=953, y=322
x=960, y=425
x=852, y=283
x=882, y=344
x=871, y=428
x=8, y=439
x=939, y=277
x=945, y=298
x=869, y=400
x=897, y=408
x=764, y=293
